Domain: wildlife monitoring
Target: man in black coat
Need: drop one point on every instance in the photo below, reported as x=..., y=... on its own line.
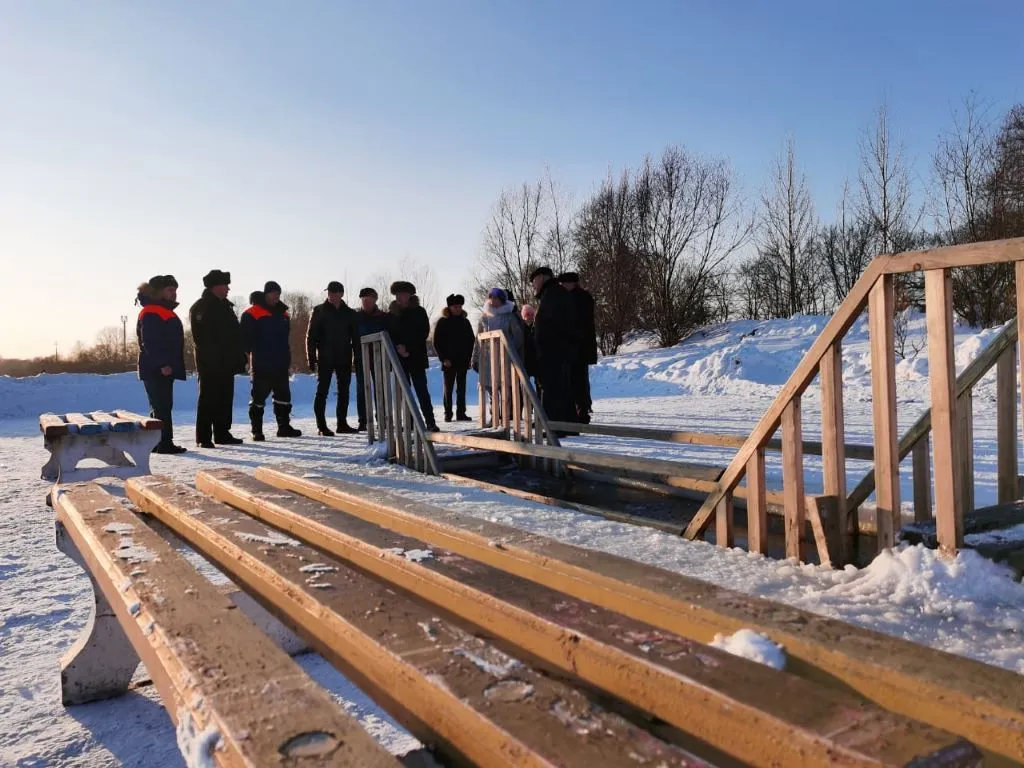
x=410, y=328
x=161, y=352
x=554, y=335
x=370, y=319
x=453, y=342
x=586, y=346
x=332, y=335
x=266, y=328
x=220, y=355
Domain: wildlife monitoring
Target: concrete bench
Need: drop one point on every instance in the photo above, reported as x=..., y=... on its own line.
x=122, y=440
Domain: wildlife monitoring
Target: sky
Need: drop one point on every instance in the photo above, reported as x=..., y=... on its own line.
x=311, y=141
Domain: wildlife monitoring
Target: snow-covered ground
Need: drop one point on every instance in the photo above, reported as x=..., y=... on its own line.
x=721, y=380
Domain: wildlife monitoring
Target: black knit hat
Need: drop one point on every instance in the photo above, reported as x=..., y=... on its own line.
x=256, y=297
x=335, y=287
x=364, y=292
x=542, y=271
x=402, y=286
x=215, y=277
x=159, y=282
x=455, y=299
x=271, y=287
x=569, y=277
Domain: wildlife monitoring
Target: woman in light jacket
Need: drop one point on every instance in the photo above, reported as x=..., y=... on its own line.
x=498, y=315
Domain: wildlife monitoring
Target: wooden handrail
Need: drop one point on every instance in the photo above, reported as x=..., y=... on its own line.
x=953, y=256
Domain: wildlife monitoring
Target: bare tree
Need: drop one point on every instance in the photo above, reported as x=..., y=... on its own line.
x=514, y=240
x=300, y=309
x=421, y=275
x=845, y=248
x=558, y=251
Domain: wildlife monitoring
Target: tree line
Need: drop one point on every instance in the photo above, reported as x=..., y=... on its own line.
x=675, y=244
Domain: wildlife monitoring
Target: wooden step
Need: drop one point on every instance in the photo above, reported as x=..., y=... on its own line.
x=443, y=683
x=222, y=681
x=982, y=703
x=463, y=462
x=982, y=520
x=747, y=710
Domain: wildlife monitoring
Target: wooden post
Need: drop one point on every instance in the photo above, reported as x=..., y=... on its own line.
x=492, y=361
x=367, y=393
x=384, y=398
x=757, y=504
x=833, y=444
x=517, y=405
x=922, y=480
x=506, y=390
x=793, y=479
x=883, y=395
x=1006, y=424
x=949, y=512
x=1019, y=288
x=965, y=438
x=400, y=430
x=724, y=522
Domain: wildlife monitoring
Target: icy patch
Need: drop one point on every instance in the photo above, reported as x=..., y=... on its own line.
x=119, y=528
x=272, y=538
x=311, y=476
x=318, y=568
x=413, y=555
x=128, y=550
x=504, y=667
x=197, y=747
x=752, y=645
x=105, y=509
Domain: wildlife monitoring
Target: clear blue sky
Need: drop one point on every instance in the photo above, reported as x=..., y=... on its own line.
x=308, y=141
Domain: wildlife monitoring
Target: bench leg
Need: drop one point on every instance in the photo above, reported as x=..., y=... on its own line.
x=101, y=663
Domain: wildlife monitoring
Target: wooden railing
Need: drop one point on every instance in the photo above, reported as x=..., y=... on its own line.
x=950, y=414
x=392, y=411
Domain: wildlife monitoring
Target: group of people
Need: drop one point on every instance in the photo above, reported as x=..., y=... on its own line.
x=556, y=340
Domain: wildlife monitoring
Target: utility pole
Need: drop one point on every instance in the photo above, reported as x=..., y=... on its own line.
x=55, y=358
x=124, y=338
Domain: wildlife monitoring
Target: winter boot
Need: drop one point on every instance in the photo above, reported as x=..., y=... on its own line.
x=287, y=430
x=227, y=439
x=256, y=419
x=345, y=429
x=462, y=417
x=324, y=431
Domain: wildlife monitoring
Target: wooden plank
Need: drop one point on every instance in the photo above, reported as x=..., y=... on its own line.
x=922, y=480
x=823, y=516
x=724, y=522
x=492, y=361
x=448, y=687
x=1006, y=425
x=580, y=456
x=213, y=680
x=52, y=425
x=144, y=422
x=949, y=512
x=793, y=480
x=652, y=670
x=113, y=423
x=982, y=703
x=883, y=398
x=1018, y=326
x=384, y=398
x=517, y=407
x=949, y=257
x=757, y=506
x=842, y=319
x=368, y=373
x=833, y=441
x=83, y=424
x=965, y=437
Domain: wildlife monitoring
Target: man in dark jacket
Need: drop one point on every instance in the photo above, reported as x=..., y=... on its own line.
x=529, y=315
x=161, y=352
x=410, y=328
x=453, y=342
x=370, y=319
x=265, y=332
x=220, y=355
x=554, y=340
x=586, y=346
x=332, y=336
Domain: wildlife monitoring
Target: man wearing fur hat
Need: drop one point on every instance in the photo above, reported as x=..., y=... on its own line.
x=410, y=329
x=265, y=332
x=453, y=342
x=161, y=352
x=331, y=337
x=219, y=357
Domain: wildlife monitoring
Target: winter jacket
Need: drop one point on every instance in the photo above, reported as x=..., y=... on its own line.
x=410, y=327
x=161, y=339
x=503, y=318
x=332, y=336
x=217, y=336
x=265, y=332
x=529, y=350
x=586, y=331
x=368, y=323
x=554, y=330
x=454, y=340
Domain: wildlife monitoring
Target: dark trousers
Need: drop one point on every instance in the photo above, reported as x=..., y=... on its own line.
x=324, y=375
x=418, y=379
x=579, y=382
x=161, y=402
x=216, y=400
x=361, y=394
x=454, y=379
x=264, y=384
x=554, y=390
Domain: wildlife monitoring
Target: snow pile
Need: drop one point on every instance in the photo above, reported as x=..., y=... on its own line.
x=752, y=645
x=197, y=747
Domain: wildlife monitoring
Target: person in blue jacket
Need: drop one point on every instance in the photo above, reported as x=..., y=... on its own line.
x=161, y=352
x=266, y=328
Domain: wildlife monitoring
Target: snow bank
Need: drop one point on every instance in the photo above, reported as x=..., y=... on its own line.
x=752, y=645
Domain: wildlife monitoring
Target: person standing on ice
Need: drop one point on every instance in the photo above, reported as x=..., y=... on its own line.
x=265, y=331
x=498, y=315
x=529, y=315
x=161, y=352
x=331, y=338
x=585, y=351
x=554, y=332
x=370, y=319
x=220, y=356
x=453, y=342
x=410, y=328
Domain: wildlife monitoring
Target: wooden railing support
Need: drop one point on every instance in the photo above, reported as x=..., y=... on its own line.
x=793, y=479
x=922, y=480
x=883, y=388
x=833, y=446
x=965, y=438
x=757, y=504
x=1006, y=424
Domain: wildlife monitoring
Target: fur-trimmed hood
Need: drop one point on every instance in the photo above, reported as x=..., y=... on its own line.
x=504, y=309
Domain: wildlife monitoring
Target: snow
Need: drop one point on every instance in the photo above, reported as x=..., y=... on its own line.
x=720, y=380
x=752, y=645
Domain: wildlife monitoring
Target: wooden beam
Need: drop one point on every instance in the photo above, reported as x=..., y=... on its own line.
x=446, y=685
x=793, y=480
x=113, y=423
x=833, y=441
x=757, y=505
x=366, y=350
x=210, y=684
x=922, y=480
x=883, y=396
x=144, y=422
x=1019, y=324
x=824, y=518
x=656, y=672
x=965, y=438
x=949, y=514
x=724, y=522
x=83, y=424
x=579, y=456
x=1006, y=425
x=952, y=256
x=982, y=703
x=52, y=425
